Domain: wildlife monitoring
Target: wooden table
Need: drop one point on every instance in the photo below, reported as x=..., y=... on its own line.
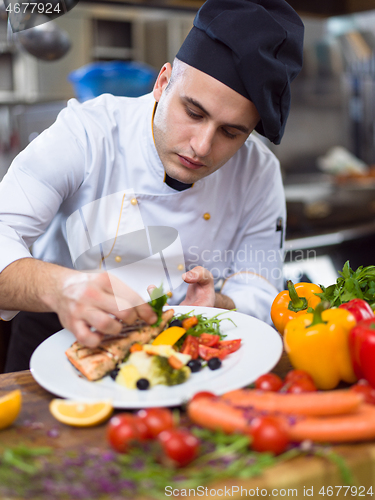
x=34, y=424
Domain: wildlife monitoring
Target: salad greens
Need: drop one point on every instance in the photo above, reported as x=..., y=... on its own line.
x=359, y=284
x=204, y=325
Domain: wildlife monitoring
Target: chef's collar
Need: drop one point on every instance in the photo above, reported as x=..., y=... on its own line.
x=172, y=183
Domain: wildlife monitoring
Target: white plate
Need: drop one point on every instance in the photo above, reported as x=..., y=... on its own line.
x=261, y=348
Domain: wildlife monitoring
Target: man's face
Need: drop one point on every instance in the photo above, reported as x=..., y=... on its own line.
x=199, y=123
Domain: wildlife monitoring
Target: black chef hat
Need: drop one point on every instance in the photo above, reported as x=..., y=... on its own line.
x=253, y=47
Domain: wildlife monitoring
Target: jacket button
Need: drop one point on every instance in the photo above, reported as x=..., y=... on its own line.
x=206, y=216
x=169, y=295
x=180, y=267
x=133, y=201
x=118, y=258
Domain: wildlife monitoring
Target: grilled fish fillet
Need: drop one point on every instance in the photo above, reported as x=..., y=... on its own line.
x=95, y=363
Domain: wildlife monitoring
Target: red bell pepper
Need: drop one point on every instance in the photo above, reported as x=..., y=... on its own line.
x=359, y=308
x=362, y=350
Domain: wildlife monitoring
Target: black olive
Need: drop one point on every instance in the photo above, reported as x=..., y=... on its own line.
x=195, y=365
x=143, y=384
x=113, y=374
x=214, y=363
x=176, y=322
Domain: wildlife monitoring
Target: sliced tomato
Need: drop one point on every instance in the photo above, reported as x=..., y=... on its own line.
x=207, y=353
x=230, y=345
x=191, y=346
x=209, y=339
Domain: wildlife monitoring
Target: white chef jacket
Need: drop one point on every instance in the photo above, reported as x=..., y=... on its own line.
x=231, y=222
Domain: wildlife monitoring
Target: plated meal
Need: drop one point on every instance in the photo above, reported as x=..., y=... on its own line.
x=142, y=356
x=260, y=349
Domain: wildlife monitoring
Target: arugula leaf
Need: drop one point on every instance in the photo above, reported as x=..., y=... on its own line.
x=205, y=325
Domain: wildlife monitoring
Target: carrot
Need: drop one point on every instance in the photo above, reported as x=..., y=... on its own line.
x=175, y=362
x=308, y=403
x=136, y=347
x=219, y=414
x=358, y=426
x=189, y=322
x=216, y=414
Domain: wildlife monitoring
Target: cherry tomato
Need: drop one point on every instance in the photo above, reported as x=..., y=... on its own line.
x=295, y=375
x=207, y=353
x=363, y=387
x=301, y=385
x=230, y=345
x=122, y=432
x=180, y=445
x=209, y=339
x=269, y=435
x=191, y=347
x=269, y=382
x=156, y=420
x=203, y=394
x=142, y=428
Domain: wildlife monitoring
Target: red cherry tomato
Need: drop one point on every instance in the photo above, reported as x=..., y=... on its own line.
x=295, y=375
x=203, y=394
x=142, y=428
x=191, y=346
x=209, y=339
x=363, y=387
x=180, y=445
x=230, y=345
x=269, y=435
x=156, y=420
x=269, y=382
x=207, y=353
x=122, y=432
x=301, y=385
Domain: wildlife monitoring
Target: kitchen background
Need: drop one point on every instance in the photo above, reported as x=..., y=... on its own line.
x=330, y=194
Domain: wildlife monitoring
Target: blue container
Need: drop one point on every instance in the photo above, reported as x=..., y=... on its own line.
x=122, y=78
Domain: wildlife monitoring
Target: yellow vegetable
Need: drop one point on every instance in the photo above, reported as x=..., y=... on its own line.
x=318, y=344
x=294, y=302
x=128, y=376
x=10, y=406
x=169, y=336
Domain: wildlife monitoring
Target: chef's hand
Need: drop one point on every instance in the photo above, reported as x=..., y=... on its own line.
x=89, y=303
x=201, y=290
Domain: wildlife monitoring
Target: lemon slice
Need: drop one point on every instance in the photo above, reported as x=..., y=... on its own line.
x=79, y=413
x=10, y=406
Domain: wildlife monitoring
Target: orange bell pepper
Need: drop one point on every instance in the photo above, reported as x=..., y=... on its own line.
x=293, y=302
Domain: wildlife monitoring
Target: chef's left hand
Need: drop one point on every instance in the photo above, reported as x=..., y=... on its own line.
x=200, y=291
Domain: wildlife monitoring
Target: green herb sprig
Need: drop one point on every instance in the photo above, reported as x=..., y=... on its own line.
x=359, y=284
x=204, y=325
x=157, y=302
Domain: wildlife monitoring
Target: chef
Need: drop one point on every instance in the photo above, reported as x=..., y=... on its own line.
x=174, y=181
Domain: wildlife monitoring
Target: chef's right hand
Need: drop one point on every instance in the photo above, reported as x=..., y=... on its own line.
x=89, y=303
